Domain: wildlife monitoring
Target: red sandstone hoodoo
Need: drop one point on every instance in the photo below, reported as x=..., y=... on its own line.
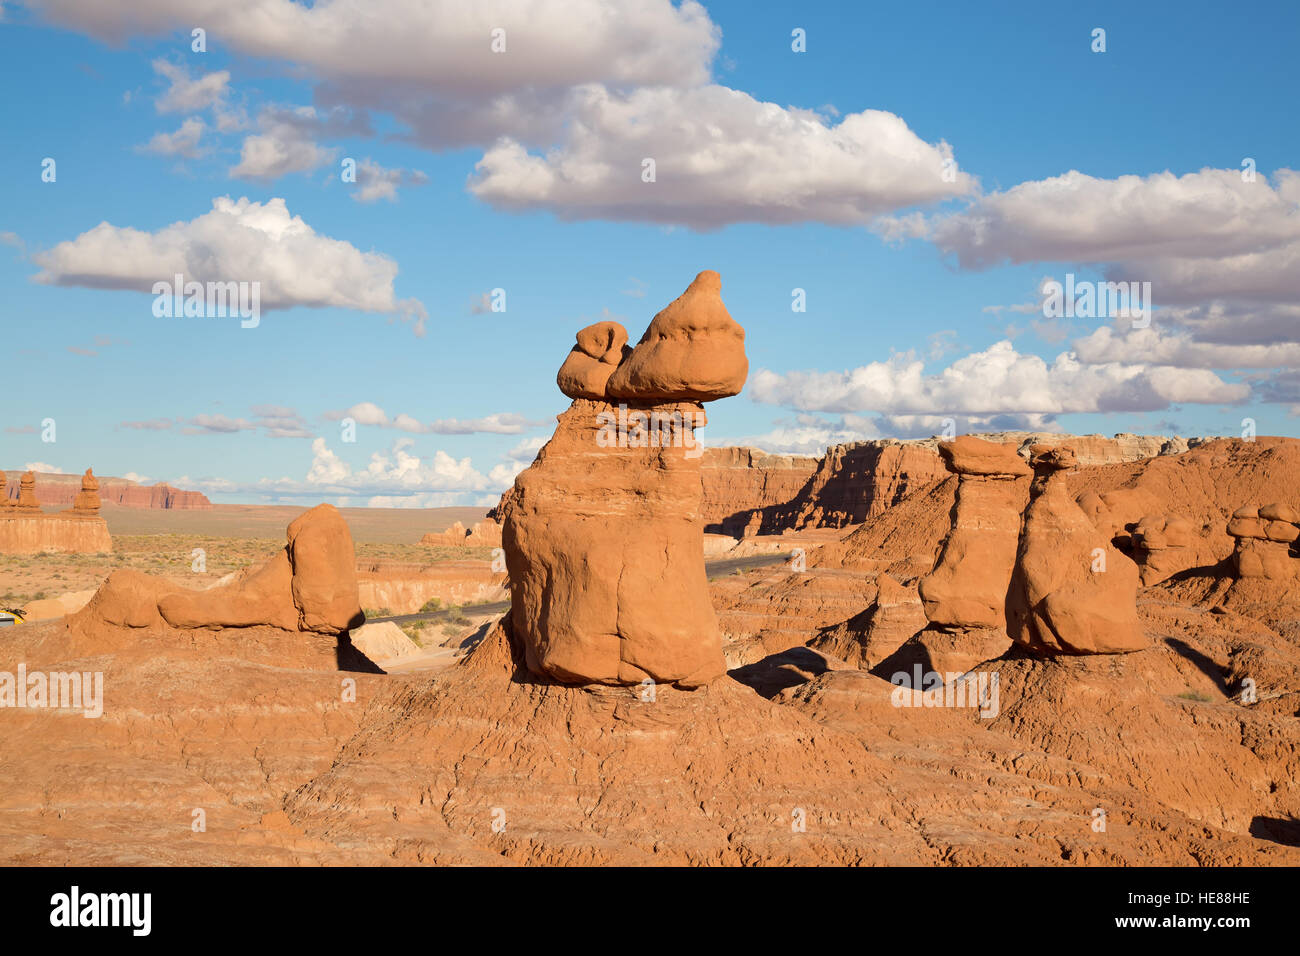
x=603, y=534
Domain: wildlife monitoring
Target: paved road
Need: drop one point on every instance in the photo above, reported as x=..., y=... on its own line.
x=714, y=569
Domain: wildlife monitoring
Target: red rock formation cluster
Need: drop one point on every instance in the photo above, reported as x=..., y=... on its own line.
x=1041, y=574
x=850, y=484
x=1265, y=541
x=309, y=586
x=860, y=481
x=484, y=534
x=26, y=529
x=603, y=534
x=1072, y=591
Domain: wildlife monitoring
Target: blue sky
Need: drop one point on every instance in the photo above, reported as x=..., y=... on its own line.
x=817, y=170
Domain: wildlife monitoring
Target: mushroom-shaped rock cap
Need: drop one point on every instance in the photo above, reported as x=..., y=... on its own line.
x=89, y=482
x=692, y=351
x=1049, y=458
x=592, y=361
x=967, y=455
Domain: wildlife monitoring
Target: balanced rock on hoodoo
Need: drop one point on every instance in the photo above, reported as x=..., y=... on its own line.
x=603, y=534
x=1266, y=541
x=1072, y=592
x=692, y=351
x=964, y=596
x=311, y=585
x=592, y=361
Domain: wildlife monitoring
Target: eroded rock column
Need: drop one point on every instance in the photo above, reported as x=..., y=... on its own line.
x=964, y=596
x=604, y=533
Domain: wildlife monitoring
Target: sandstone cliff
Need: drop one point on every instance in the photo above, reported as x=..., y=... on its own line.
x=64, y=533
x=855, y=482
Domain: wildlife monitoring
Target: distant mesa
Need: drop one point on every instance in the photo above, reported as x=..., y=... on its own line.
x=26, y=529
x=748, y=491
x=63, y=490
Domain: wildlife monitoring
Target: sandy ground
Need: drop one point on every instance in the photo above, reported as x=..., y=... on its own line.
x=369, y=525
x=231, y=537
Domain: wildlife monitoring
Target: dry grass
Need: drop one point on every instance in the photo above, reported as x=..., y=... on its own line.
x=25, y=578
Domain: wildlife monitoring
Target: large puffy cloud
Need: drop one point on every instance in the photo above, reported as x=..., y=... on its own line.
x=592, y=87
x=996, y=381
x=720, y=156
x=431, y=61
x=238, y=240
x=1267, y=276
x=1078, y=218
x=1200, y=238
x=394, y=471
x=1221, y=254
x=1158, y=346
x=1235, y=323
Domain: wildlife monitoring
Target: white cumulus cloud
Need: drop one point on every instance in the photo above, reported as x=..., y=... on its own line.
x=995, y=381
x=237, y=240
x=720, y=156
